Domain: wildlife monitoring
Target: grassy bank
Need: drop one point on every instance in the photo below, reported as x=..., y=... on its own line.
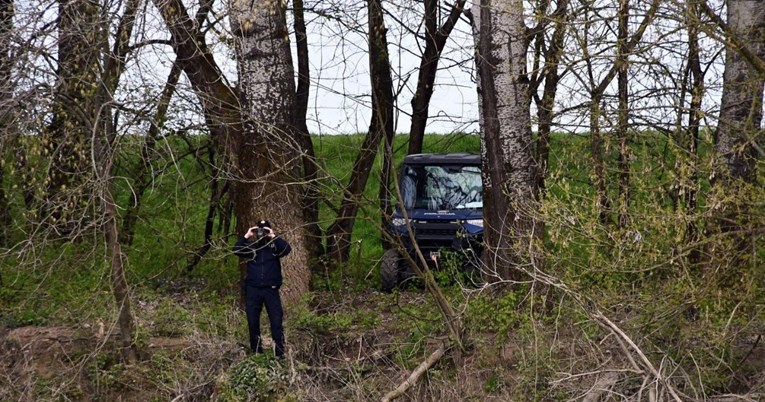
x=695, y=320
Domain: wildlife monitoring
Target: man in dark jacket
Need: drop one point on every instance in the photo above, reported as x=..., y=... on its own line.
x=263, y=250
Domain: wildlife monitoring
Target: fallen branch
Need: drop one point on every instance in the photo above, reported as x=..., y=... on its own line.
x=646, y=362
x=419, y=371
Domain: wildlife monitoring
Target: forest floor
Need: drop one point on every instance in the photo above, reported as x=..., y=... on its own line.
x=355, y=363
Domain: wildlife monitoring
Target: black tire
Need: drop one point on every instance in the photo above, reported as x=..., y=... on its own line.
x=389, y=272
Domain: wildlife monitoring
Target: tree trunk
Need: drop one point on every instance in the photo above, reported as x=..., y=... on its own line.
x=269, y=174
x=382, y=103
x=339, y=232
x=219, y=102
x=381, y=126
x=120, y=287
x=75, y=108
x=103, y=146
x=435, y=40
x=509, y=169
x=741, y=108
x=217, y=192
x=739, y=127
x=622, y=65
x=310, y=168
x=6, y=111
x=626, y=45
x=545, y=106
x=687, y=139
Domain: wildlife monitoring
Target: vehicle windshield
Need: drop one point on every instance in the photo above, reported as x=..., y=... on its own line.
x=441, y=187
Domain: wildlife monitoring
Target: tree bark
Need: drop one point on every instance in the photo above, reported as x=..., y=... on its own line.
x=269, y=177
x=739, y=128
x=622, y=65
x=311, y=195
x=435, y=40
x=75, y=109
x=509, y=174
x=6, y=111
x=741, y=108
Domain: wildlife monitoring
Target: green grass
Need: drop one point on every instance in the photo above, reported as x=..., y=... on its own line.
x=53, y=280
x=644, y=280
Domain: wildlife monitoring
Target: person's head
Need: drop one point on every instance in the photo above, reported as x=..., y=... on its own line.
x=262, y=225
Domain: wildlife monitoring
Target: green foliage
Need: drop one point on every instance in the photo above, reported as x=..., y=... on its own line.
x=171, y=319
x=453, y=272
x=492, y=313
x=337, y=321
x=494, y=383
x=106, y=372
x=260, y=377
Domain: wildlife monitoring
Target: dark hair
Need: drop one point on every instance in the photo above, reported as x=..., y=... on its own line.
x=264, y=224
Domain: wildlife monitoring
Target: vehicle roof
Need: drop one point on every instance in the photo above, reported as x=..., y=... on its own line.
x=457, y=158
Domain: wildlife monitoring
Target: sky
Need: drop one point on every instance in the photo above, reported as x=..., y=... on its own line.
x=340, y=88
x=340, y=92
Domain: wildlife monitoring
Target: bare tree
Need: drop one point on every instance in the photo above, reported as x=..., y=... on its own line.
x=622, y=116
x=311, y=198
x=105, y=151
x=143, y=172
x=688, y=139
x=380, y=127
x=435, y=40
x=597, y=92
x=551, y=74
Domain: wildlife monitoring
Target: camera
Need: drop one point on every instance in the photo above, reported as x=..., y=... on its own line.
x=260, y=232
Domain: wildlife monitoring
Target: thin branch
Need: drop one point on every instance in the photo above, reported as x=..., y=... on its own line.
x=416, y=374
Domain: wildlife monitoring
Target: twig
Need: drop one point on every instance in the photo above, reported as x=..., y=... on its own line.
x=419, y=371
x=614, y=328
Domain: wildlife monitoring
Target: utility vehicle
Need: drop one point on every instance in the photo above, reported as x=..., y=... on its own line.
x=442, y=201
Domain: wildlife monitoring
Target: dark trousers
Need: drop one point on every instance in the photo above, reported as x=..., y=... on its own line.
x=255, y=298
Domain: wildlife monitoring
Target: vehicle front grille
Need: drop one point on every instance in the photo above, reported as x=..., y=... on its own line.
x=450, y=232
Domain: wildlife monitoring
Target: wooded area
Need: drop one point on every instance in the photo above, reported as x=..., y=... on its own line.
x=623, y=196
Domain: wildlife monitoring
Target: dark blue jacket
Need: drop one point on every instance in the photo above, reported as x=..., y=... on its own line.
x=264, y=269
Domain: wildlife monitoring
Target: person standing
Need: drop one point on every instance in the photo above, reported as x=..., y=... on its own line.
x=263, y=250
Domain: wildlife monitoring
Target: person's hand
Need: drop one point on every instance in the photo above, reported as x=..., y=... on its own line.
x=250, y=232
x=270, y=232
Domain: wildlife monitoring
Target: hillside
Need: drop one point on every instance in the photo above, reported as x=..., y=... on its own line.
x=613, y=314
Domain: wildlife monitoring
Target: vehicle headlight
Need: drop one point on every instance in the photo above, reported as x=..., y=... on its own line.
x=476, y=222
x=398, y=221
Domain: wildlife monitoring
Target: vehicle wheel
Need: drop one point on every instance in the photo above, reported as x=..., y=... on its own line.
x=389, y=272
